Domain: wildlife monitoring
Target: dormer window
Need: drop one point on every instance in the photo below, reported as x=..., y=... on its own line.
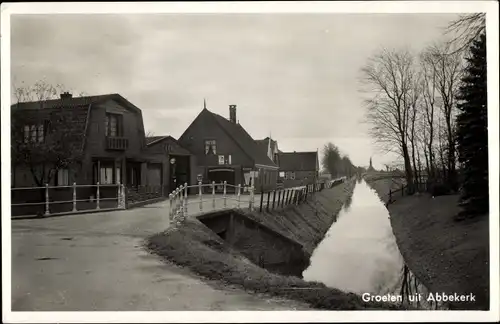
x=210, y=147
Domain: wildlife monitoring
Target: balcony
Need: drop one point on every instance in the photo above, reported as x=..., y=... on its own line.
x=116, y=143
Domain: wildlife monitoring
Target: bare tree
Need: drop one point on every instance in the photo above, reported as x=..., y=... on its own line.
x=390, y=79
x=465, y=30
x=41, y=140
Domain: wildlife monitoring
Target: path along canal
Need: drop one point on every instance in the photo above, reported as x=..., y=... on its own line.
x=359, y=254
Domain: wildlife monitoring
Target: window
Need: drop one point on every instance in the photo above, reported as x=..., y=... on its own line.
x=210, y=147
x=221, y=159
x=292, y=175
x=40, y=133
x=26, y=133
x=282, y=174
x=106, y=175
x=114, y=125
x=34, y=133
x=62, y=177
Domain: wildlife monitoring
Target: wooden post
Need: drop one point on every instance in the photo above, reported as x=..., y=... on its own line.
x=185, y=199
x=274, y=197
x=268, y=198
x=239, y=195
x=201, y=197
x=171, y=212
x=261, y=199
x=74, y=196
x=47, y=210
x=98, y=197
x=224, y=194
x=124, y=197
x=250, y=205
x=118, y=195
x=181, y=201
x=279, y=197
x=213, y=195
x=288, y=196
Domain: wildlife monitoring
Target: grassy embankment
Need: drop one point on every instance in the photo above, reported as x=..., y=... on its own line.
x=197, y=248
x=445, y=255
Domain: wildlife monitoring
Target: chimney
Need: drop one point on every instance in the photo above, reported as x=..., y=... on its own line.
x=232, y=113
x=66, y=95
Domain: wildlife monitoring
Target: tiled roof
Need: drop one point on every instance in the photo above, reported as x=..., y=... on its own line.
x=73, y=102
x=264, y=144
x=244, y=140
x=298, y=161
x=154, y=139
x=76, y=110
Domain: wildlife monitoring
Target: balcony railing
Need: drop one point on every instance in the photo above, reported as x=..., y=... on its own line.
x=116, y=143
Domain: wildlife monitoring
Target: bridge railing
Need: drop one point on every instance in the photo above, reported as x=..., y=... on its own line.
x=182, y=199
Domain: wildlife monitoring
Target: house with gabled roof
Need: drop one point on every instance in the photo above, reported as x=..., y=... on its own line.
x=106, y=131
x=298, y=168
x=170, y=163
x=224, y=151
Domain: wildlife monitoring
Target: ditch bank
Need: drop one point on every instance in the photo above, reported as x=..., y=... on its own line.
x=263, y=252
x=446, y=256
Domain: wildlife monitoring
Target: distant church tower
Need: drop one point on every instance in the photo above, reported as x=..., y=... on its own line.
x=370, y=168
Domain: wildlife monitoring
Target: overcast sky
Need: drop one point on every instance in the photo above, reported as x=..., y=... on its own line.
x=295, y=77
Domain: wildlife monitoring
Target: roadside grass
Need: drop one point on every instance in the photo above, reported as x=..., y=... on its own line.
x=197, y=248
x=445, y=255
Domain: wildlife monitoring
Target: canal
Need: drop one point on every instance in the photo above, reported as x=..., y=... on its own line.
x=359, y=254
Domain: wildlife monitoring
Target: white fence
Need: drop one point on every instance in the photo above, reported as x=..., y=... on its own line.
x=180, y=198
x=75, y=198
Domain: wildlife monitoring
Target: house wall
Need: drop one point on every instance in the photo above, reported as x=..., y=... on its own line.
x=204, y=127
x=133, y=130
x=301, y=178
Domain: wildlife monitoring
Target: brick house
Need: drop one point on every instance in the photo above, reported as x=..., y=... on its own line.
x=224, y=151
x=170, y=165
x=298, y=168
x=107, y=132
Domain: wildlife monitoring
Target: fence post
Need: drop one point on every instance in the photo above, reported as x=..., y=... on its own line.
x=261, y=199
x=181, y=201
x=118, y=195
x=213, y=195
x=239, y=198
x=124, y=197
x=47, y=210
x=201, y=197
x=74, y=196
x=185, y=199
x=224, y=194
x=98, y=197
x=250, y=198
x=171, y=203
x=288, y=195
x=268, y=198
x=279, y=197
x=274, y=197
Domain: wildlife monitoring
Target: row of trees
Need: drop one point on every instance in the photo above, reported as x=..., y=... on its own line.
x=336, y=163
x=417, y=103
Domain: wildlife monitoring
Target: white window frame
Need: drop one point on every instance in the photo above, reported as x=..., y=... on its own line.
x=282, y=174
x=210, y=144
x=222, y=160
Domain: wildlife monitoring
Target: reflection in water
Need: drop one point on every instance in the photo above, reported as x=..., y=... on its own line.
x=359, y=253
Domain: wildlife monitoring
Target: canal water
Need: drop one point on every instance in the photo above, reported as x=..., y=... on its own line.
x=359, y=254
